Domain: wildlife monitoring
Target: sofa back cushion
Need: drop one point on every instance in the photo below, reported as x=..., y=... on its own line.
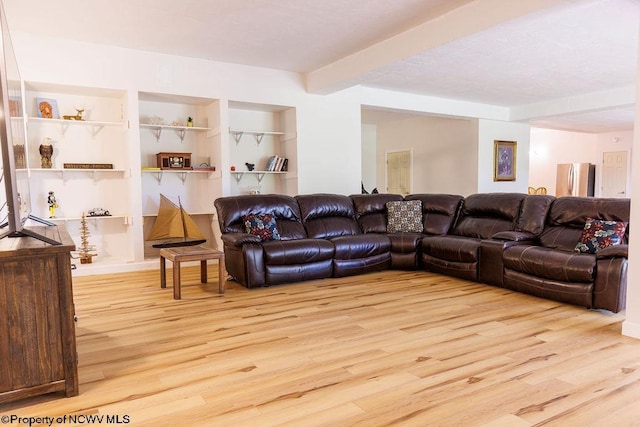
x=484, y=215
x=568, y=215
x=439, y=211
x=284, y=209
x=328, y=215
x=371, y=211
x=533, y=215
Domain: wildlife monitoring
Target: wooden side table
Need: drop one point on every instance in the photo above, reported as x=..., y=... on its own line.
x=190, y=253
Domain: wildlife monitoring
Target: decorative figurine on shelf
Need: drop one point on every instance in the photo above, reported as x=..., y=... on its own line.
x=46, y=153
x=78, y=115
x=250, y=166
x=85, y=255
x=189, y=122
x=53, y=205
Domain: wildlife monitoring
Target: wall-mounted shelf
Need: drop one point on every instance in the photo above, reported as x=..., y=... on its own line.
x=126, y=218
x=95, y=126
x=181, y=173
x=258, y=174
x=153, y=215
x=258, y=134
x=95, y=173
x=180, y=130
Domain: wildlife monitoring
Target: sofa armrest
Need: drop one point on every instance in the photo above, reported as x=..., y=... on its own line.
x=239, y=239
x=616, y=251
x=514, y=236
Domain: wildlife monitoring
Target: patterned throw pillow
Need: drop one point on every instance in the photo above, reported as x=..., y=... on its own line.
x=598, y=234
x=263, y=225
x=404, y=216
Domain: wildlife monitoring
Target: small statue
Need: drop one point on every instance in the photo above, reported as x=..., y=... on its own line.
x=78, y=115
x=53, y=205
x=46, y=153
x=250, y=166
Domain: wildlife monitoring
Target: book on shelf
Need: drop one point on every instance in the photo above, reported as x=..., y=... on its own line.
x=271, y=162
x=276, y=163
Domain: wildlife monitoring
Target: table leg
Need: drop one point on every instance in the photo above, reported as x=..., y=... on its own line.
x=203, y=271
x=221, y=274
x=163, y=273
x=176, y=279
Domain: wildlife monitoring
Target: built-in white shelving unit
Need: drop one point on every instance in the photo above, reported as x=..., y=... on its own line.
x=163, y=129
x=101, y=137
x=258, y=132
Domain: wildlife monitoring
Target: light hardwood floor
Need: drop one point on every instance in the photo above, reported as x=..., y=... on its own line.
x=391, y=348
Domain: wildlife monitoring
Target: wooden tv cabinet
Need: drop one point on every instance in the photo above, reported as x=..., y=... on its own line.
x=37, y=330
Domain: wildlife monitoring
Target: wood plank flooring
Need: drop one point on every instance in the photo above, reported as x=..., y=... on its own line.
x=390, y=348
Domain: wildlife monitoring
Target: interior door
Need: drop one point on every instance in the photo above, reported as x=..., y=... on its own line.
x=614, y=174
x=399, y=172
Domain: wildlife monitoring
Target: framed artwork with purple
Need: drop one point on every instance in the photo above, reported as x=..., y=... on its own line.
x=504, y=160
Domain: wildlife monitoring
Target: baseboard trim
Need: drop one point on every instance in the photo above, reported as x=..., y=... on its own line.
x=631, y=329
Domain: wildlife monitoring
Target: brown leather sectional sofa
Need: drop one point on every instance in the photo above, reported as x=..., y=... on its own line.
x=521, y=242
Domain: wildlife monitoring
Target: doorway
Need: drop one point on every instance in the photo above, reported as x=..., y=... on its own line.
x=614, y=174
x=399, y=166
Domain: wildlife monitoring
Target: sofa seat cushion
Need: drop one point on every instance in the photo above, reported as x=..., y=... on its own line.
x=405, y=243
x=552, y=264
x=452, y=248
x=360, y=246
x=301, y=251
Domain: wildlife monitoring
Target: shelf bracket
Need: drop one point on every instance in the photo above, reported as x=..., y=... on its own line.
x=183, y=177
x=95, y=130
x=237, y=136
x=238, y=176
x=181, y=133
x=259, y=137
x=259, y=177
x=63, y=128
x=157, y=132
x=159, y=175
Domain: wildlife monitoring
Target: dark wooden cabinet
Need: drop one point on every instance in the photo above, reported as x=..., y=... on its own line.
x=37, y=330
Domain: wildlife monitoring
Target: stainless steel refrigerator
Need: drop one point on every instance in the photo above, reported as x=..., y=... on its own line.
x=575, y=179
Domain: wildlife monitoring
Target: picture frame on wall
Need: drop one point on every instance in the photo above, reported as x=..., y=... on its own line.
x=504, y=160
x=47, y=108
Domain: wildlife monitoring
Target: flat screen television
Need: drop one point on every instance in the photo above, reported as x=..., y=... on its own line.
x=15, y=203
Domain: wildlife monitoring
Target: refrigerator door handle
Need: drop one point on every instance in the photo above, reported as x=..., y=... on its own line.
x=570, y=180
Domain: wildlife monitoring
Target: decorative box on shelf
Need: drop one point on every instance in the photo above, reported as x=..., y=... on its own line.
x=174, y=161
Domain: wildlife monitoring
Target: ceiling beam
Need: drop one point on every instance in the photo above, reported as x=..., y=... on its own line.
x=584, y=103
x=460, y=22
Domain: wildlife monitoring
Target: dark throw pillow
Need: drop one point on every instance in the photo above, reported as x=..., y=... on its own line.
x=599, y=234
x=262, y=225
x=405, y=216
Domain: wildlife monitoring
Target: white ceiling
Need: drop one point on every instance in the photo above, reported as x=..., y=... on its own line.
x=513, y=54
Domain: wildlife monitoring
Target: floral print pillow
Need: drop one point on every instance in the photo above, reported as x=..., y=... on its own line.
x=599, y=234
x=262, y=225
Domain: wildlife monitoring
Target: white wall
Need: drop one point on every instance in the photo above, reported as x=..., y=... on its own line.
x=488, y=132
x=329, y=144
x=369, y=150
x=444, y=153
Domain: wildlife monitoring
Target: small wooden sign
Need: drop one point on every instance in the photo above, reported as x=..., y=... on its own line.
x=174, y=161
x=88, y=165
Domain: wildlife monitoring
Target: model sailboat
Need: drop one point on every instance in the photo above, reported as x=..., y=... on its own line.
x=174, y=226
